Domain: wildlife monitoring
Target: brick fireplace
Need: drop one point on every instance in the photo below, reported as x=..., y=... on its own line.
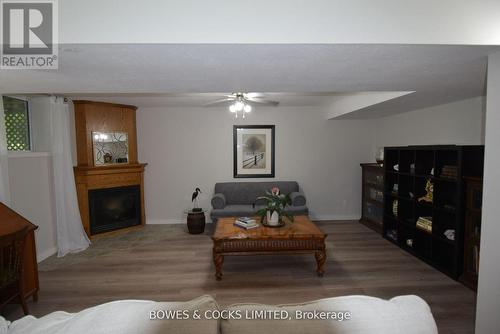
x=110, y=190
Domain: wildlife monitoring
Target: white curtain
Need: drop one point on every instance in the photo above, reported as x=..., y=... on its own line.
x=4, y=163
x=71, y=237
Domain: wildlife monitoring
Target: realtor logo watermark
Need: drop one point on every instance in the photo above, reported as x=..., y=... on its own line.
x=29, y=34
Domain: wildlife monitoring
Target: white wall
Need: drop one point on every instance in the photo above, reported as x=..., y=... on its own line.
x=347, y=103
x=189, y=147
x=32, y=196
x=488, y=299
x=460, y=122
x=31, y=179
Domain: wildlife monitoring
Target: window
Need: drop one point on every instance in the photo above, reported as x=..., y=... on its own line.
x=17, y=126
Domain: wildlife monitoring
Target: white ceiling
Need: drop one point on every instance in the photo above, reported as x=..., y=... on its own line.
x=280, y=21
x=437, y=74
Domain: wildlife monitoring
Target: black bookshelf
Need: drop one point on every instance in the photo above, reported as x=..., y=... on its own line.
x=416, y=165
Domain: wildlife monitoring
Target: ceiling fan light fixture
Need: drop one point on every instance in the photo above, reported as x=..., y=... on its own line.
x=247, y=108
x=242, y=103
x=239, y=106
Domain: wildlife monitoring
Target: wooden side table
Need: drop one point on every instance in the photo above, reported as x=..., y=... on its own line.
x=10, y=222
x=196, y=221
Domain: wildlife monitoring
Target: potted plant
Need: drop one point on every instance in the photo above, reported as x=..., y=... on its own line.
x=275, y=206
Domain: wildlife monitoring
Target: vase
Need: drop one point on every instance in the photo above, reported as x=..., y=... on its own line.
x=273, y=219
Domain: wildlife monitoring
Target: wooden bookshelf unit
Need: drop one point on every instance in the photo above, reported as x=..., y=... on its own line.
x=372, y=198
x=410, y=172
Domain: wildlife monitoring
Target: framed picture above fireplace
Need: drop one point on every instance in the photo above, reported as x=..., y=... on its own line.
x=110, y=148
x=253, y=151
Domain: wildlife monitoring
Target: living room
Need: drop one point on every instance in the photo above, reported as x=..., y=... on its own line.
x=168, y=118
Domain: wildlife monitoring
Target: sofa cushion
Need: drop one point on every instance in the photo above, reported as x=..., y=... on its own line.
x=297, y=210
x=298, y=198
x=121, y=317
x=247, y=192
x=248, y=210
x=405, y=314
x=4, y=325
x=260, y=201
x=218, y=201
x=235, y=210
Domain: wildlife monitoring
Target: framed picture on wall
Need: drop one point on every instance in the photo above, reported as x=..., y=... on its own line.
x=253, y=151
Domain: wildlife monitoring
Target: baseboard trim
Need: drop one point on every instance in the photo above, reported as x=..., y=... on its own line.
x=169, y=221
x=335, y=217
x=46, y=254
x=314, y=218
x=163, y=221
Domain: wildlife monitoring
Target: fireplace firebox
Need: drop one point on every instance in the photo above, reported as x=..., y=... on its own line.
x=114, y=208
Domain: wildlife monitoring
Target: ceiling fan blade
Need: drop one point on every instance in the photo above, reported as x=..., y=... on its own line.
x=219, y=102
x=253, y=94
x=262, y=101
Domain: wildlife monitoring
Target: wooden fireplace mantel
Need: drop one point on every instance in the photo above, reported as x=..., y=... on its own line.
x=110, y=169
x=105, y=117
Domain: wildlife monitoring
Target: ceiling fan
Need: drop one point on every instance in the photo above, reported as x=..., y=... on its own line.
x=241, y=103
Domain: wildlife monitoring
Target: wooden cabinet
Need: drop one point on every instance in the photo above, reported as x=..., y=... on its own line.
x=472, y=234
x=372, y=207
x=11, y=222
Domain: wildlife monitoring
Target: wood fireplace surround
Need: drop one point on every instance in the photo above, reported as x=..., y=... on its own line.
x=105, y=117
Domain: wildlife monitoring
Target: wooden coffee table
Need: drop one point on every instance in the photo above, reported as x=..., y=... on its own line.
x=301, y=236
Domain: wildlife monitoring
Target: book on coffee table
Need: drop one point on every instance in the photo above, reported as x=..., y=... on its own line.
x=246, y=223
x=246, y=219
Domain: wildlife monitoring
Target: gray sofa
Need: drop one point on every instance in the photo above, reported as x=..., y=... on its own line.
x=236, y=199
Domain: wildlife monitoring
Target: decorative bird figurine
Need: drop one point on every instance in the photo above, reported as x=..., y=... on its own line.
x=194, y=199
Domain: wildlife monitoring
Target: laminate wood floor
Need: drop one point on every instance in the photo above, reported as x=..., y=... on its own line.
x=164, y=263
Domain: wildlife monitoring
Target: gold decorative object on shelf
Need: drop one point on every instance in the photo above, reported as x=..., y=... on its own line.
x=429, y=188
x=395, y=208
x=424, y=224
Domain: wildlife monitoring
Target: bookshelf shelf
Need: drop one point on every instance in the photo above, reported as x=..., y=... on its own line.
x=407, y=171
